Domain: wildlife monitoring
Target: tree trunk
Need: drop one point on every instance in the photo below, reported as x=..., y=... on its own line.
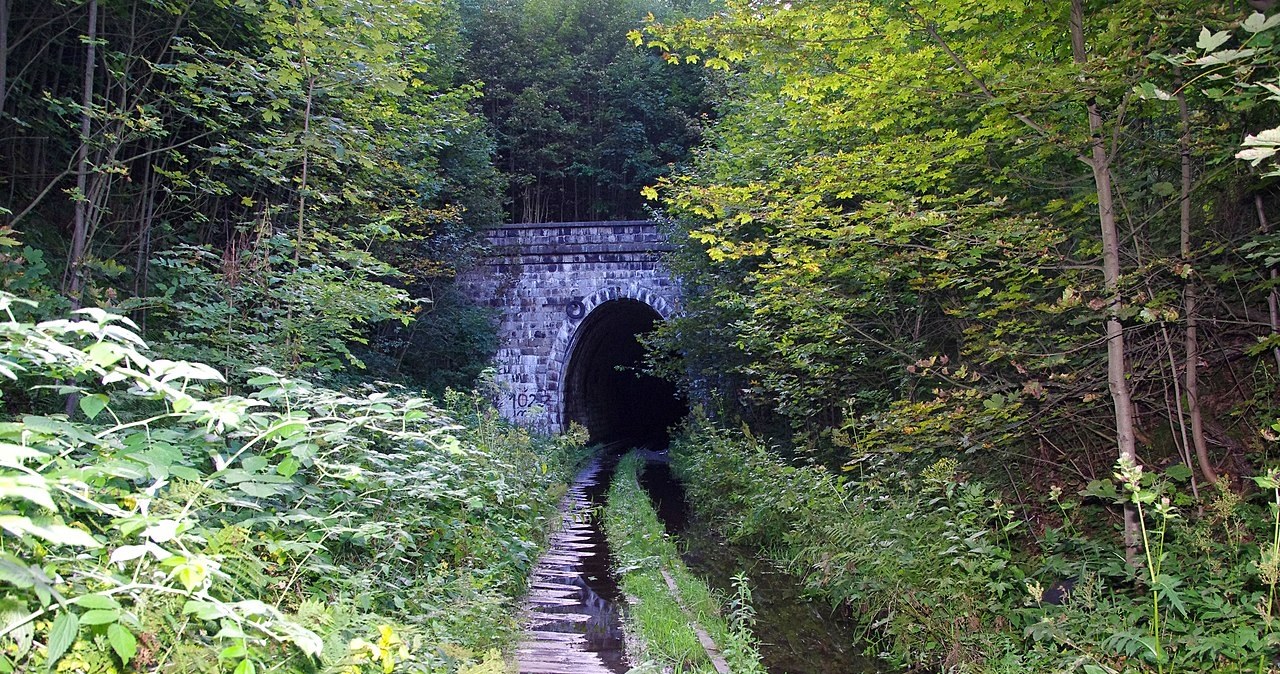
x=142, y=262
x=1117, y=368
x=4, y=52
x=1191, y=299
x=73, y=282
x=306, y=156
x=1175, y=407
x=1273, y=306
x=294, y=355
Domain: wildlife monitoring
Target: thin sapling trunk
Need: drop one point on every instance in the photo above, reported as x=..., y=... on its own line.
x=1117, y=367
x=1191, y=302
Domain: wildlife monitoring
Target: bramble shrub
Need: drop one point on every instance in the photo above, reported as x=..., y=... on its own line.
x=296, y=528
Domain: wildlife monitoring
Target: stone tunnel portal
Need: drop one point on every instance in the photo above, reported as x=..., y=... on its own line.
x=605, y=389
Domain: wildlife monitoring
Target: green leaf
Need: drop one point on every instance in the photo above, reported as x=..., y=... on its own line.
x=183, y=403
x=27, y=488
x=60, y=534
x=1211, y=41
x=288, y=467
x=105, y=354
x=260, y=489
x=263, y=380
x=92, y=405
x=1103, y=489
x=1152, y=647
x=306, y=640
x=235, y=651
x=100, y=616
x=1150, y=91
x=231, y=630
x=254, y=464
x=18, y=573
x=1258, y=22
x=61, y=635
x=1225, y=56
x=245, y=667
x=204, y=610
x=19, y=630
x=192, y=574
x=101, y=602
x=287, y=430
x=1166, y=587
x=122, y=642
x=15, y=455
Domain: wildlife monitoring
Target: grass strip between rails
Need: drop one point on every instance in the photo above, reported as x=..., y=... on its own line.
x=661, y=632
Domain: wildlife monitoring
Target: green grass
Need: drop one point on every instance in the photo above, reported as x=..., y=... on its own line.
x=660, y=632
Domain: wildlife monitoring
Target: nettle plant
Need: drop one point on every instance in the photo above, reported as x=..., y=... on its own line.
x=159, y=527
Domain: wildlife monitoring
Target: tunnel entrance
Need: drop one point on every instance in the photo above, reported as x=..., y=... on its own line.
x=605, y=388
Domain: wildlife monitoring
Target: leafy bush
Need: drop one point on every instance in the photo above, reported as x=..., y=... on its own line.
x=1200, y=595
x=926, y=566
x=941, y=573
x=255, y=306
x=162, y=528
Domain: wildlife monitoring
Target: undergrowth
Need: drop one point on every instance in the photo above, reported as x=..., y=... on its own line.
x=163, y=527
x=941, y=574
x=660, y=632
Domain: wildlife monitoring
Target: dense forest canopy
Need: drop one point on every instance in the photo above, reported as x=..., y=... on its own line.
x=893, y=231
x=582, y=120
x=328, y=162
x=980, y=318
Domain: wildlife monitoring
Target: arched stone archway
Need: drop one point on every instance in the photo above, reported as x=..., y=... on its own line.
x=547, y=281
x=595, y=371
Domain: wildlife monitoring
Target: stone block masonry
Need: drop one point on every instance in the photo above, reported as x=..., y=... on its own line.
x=546, y=280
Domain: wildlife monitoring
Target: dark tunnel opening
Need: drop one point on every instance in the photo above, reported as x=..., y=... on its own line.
x=605, y=387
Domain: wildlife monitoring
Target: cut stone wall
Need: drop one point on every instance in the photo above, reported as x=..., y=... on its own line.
x=545, y=280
